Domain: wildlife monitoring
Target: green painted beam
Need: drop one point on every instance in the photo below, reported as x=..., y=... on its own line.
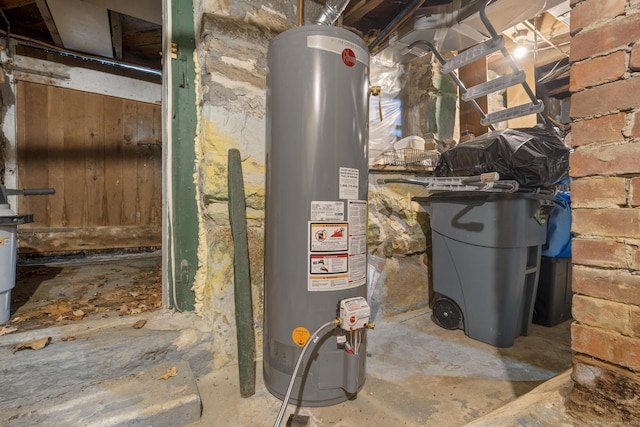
x=241, y=277
x=183, y=226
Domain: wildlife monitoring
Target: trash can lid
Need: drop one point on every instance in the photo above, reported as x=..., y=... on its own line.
x=482, y=196
x=7, y=216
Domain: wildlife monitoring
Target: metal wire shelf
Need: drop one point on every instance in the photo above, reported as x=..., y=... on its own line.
x=411, y=157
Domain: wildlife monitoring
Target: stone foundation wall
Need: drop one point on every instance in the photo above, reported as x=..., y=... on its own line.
x=232, y=82
x=399, y=242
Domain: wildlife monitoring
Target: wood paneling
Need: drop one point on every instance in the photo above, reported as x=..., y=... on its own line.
x=516, y=95
x=471, y=75
x=61, y=240
x=103, y=157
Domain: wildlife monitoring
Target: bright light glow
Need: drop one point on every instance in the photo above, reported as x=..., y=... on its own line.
x=520, y=51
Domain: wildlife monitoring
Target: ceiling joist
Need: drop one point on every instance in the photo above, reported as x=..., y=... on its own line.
x=115, y=20
x=359, y=10
x=49, y=22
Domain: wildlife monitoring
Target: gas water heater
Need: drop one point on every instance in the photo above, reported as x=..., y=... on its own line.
x=316, y=213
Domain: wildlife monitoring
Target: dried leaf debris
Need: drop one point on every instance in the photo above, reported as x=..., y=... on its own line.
x=143, y=293
x=7, y=330
x=139, y=324
x=170, y=373
x=38, y=344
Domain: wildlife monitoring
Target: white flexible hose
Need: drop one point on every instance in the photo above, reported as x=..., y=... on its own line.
x=285, y=401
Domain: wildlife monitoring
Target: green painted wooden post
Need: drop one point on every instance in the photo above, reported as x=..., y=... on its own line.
x=241, y=277
x=184, y=225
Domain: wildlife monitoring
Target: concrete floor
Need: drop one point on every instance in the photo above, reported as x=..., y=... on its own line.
x=417, y=373
x=421, y=375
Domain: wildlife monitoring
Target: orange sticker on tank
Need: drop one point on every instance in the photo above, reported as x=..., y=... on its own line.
x=300, y=336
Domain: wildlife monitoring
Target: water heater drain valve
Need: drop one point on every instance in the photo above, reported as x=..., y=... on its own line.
x=354, y=313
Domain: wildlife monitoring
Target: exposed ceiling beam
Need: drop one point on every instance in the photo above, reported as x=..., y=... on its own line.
x=147, y=10
x=559, y=89
x=116, y=33
x=49, y=22
x=359, y=10
x=12, y=4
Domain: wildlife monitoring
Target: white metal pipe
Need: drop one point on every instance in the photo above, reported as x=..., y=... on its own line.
x=331, y=12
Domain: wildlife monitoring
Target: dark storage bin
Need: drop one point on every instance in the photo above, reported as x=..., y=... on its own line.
x=553, y=300
x=486, y=259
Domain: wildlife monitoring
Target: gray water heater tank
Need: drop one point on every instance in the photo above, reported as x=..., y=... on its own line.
x=316, y=210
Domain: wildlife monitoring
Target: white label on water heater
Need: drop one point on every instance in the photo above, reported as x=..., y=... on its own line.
x=357, y=217
x=357, y=212
x=327, y=211
x=338, y=45
x=349, y=180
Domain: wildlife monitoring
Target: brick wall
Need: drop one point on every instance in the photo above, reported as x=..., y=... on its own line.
x=605, y=108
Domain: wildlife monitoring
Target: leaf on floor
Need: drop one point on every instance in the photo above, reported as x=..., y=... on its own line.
x=143, y=293
x=170, y=373
x=33, y=345
x=7, y=330
x=68, y=338
x=139, y=324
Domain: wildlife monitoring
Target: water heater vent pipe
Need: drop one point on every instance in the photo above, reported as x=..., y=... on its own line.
x=331, y=12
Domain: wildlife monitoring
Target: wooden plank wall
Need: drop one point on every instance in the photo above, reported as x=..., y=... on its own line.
x=471, y=75
x=102, y=155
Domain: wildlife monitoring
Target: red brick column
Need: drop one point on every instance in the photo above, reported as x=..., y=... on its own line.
x=605, y=192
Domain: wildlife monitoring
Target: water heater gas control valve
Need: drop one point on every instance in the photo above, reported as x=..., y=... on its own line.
x=354, y=313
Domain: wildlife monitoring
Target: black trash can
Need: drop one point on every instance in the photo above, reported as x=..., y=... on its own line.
x=553, y=300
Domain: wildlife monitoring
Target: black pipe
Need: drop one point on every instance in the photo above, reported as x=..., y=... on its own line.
x=31, y=192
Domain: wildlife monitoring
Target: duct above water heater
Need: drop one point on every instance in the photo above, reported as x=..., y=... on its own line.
x=316, y=210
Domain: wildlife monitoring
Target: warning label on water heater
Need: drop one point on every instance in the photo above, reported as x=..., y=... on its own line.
x=328, y=257
x=329, y=237
x=324, y=264
x=337, y=256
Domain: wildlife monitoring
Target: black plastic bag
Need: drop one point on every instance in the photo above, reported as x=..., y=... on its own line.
x=535, y=157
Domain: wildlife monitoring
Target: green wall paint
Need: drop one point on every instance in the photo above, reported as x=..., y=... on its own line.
x=184, y=224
